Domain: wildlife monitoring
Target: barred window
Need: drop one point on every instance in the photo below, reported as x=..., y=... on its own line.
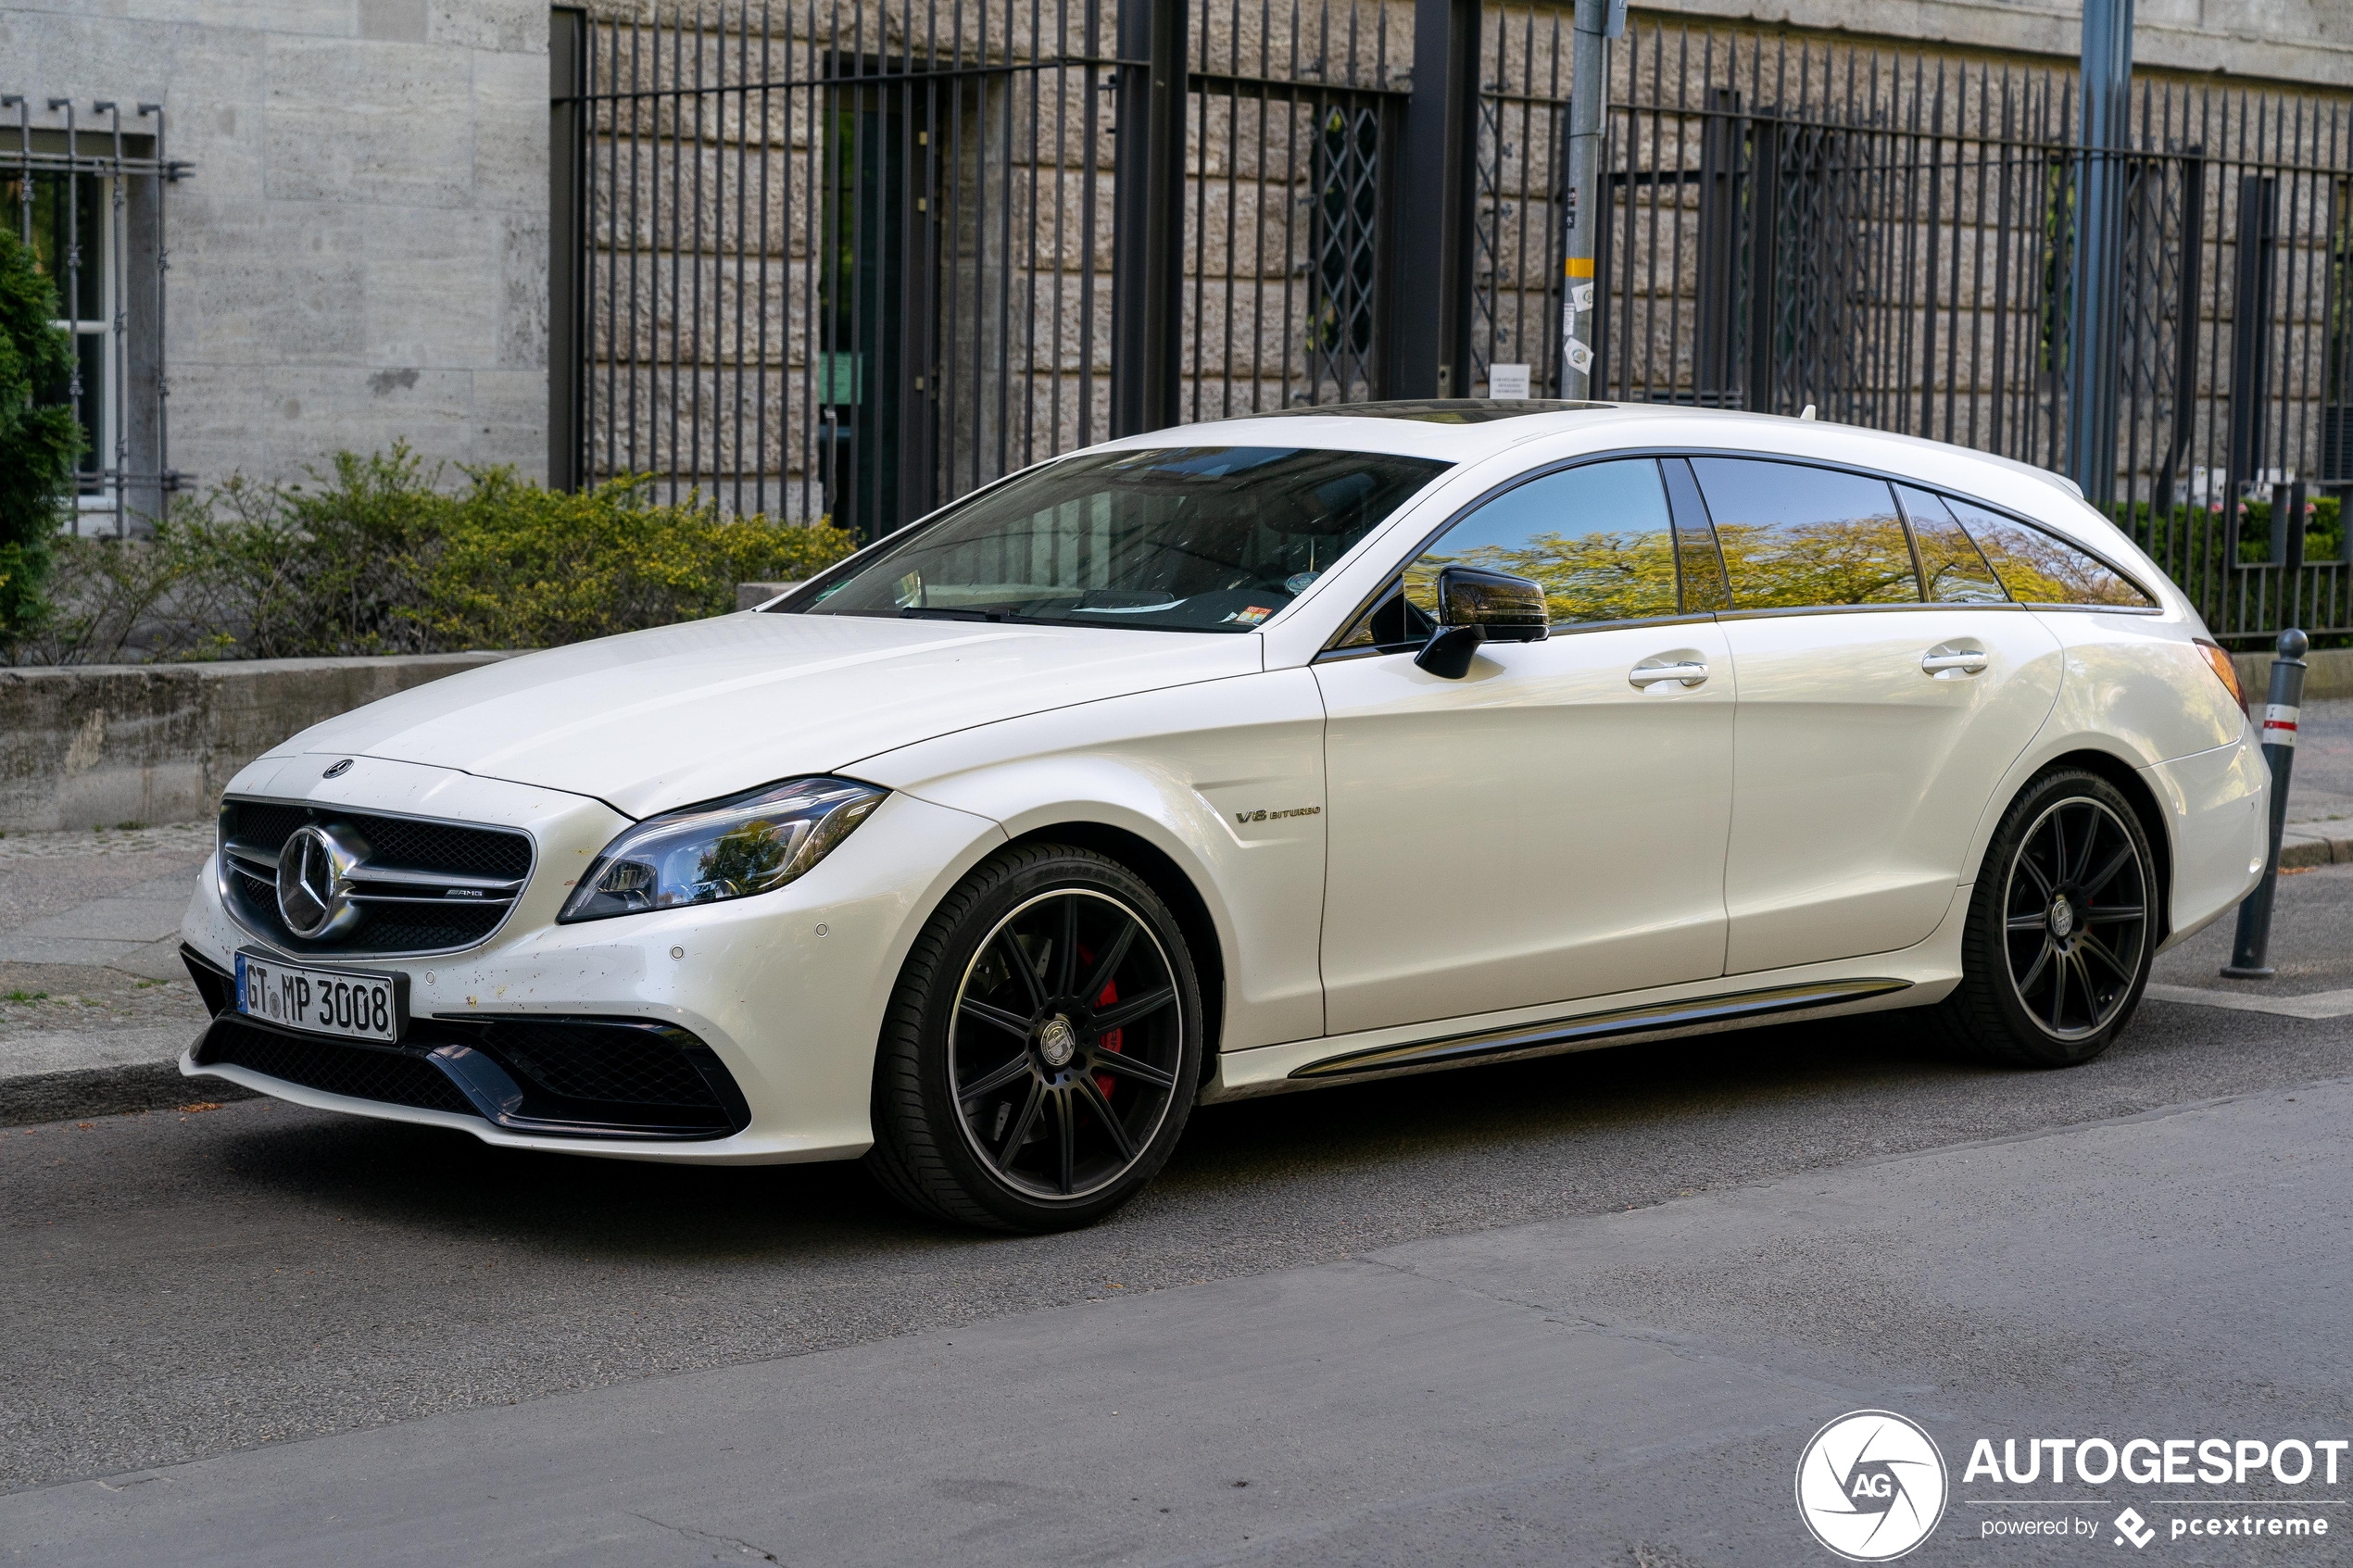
x=87, y=199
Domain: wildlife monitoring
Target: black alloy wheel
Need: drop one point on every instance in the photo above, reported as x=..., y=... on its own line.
x=2062, y=925
x=1043, y=1048
x=2075, y=917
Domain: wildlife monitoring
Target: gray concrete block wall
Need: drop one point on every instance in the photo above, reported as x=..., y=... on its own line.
x=97, y=744
x=2295, y=42
x=360, y=254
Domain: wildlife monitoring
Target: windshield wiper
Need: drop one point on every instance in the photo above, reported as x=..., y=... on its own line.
x=922, y=612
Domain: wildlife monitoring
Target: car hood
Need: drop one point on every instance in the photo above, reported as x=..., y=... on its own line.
x=654, y=719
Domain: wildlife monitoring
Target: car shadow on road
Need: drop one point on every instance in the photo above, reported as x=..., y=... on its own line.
x=1469, y=1147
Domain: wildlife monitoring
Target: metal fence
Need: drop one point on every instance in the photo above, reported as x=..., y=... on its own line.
x=85, y=191
x=1893, y=239
x=851, y=260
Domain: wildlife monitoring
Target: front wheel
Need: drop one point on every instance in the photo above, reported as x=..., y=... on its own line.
x=2061, y=926
x=1041, y=1051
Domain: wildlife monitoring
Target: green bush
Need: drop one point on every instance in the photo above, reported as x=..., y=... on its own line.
x=2184, y=539
x=374, y=556
x=38, y=443
x=520, y=566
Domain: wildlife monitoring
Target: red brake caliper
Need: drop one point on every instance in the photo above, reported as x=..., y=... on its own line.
x=1111, y=1040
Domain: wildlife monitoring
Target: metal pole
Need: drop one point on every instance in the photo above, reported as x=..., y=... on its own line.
x=2093, y=325
x=566, y=241
x=2248, y=954
x=1147, y=229
x=1588, y=86
x=1431, y=350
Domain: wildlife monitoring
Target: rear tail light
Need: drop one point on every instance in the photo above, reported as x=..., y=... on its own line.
x=2224, y=670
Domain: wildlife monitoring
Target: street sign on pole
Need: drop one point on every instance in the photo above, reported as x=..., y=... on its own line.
x=1588, y=90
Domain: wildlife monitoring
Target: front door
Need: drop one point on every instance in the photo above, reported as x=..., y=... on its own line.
x=1553, y=825
x=1875, y=719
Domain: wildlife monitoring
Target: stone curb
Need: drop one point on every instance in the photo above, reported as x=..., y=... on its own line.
x=82, y=1092
x=2313, y=849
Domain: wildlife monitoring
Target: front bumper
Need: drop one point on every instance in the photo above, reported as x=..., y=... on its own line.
x=785, y=990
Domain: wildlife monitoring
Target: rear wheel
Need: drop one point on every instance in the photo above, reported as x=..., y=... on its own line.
x=1041, y=1051
x=2061, y=926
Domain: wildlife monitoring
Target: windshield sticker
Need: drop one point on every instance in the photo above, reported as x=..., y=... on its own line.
x=1251, y=615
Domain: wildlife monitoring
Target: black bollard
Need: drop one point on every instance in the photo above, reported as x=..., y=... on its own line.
x=2280, y=708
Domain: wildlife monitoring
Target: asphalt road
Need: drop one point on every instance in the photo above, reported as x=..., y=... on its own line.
x=1579, y=1310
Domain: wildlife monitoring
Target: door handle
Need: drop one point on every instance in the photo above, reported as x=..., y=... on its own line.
x=1947, y=659
x=1648, y=674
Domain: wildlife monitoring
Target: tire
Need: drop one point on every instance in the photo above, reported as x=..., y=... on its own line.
x=1042, y=1049
x=2062, y=927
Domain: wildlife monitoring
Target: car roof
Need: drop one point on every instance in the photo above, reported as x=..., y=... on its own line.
x=1467, y=430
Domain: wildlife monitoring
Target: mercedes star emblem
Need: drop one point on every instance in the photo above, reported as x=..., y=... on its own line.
x=314, y=883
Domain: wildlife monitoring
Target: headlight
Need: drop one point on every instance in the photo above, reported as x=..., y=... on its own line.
x=751, y=843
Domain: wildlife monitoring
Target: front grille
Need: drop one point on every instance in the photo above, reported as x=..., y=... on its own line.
x=334, y=1067
x=259, y=829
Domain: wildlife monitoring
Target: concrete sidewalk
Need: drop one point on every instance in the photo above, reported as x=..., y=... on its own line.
x=2320, y=795
x=95, y=1006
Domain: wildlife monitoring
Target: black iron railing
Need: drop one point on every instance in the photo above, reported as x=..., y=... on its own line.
x=852, y=261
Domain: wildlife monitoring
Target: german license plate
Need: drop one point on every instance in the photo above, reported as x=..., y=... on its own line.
x=320, y=1001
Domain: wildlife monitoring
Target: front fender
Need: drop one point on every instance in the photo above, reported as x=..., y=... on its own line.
x=1224, y=778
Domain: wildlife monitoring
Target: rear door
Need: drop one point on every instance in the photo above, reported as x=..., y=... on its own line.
x=1553, y=825
x=1884, y=690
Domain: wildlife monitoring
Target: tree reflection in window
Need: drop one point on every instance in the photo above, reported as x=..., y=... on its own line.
x=1597, y=536
x=1954, y=571
x=2039, y=568
x=1795, y=536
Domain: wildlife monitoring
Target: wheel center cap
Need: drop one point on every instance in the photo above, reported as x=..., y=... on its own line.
x=2062, y=917
x=1057, y=1041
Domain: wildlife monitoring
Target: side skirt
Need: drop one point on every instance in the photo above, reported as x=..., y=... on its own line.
x=1581, y=1031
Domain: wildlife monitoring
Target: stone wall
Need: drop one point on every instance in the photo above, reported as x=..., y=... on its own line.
x=98, y=745
x=359, y=255
x=2306, y=43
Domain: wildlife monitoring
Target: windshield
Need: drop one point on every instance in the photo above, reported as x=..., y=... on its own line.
x=1186, y=539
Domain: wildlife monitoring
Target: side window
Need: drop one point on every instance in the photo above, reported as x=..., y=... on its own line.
x=1597, y=536
x=1795, y=536
x=1952, y=570
x=2039, y=568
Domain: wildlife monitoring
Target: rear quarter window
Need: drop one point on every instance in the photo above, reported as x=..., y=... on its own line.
x=2040, y=568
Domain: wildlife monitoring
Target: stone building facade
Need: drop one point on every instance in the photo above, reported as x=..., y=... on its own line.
x=358, y=246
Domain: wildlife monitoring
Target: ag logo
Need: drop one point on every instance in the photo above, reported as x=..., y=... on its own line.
x=1870, y=1485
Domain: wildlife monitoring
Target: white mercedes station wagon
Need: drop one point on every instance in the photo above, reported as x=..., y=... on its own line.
x=1250, y=757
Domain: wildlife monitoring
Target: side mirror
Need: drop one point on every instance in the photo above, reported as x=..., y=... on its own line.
x=1475, y=605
